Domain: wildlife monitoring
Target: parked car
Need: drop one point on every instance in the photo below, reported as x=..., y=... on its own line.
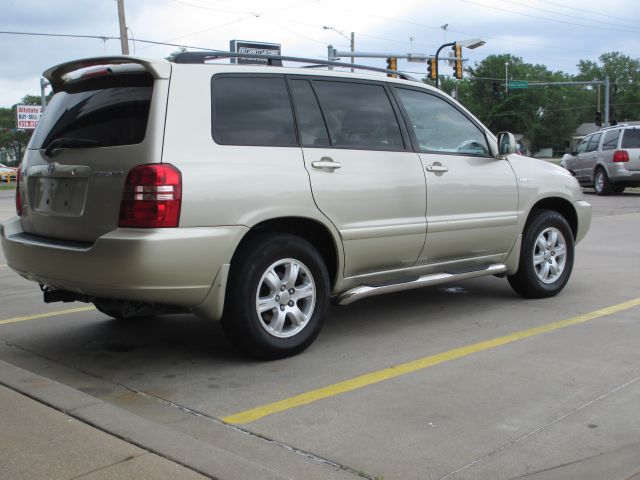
x=258, y=194
x=607, y=160
x=7, y=174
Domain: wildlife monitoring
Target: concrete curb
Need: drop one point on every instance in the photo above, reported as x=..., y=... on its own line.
x=159, y=439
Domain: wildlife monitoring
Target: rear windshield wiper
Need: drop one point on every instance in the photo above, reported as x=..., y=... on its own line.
x=70, y=143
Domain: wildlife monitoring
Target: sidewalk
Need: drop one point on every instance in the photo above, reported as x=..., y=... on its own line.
x=40, y=442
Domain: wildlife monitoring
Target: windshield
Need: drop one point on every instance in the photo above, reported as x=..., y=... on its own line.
x=109, y=116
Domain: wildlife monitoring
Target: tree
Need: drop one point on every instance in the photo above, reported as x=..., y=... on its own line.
x=624, y=75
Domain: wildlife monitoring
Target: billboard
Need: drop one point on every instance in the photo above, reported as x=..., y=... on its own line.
x=259, y=48
x=28, y=116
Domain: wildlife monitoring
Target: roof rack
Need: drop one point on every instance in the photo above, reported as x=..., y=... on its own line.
x=202, y=57
x=616, y=126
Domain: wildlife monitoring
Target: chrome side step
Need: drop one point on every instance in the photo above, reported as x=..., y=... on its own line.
x=365, y=291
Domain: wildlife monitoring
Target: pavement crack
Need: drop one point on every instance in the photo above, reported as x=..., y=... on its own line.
x=124, y=460
x=541, y=427
x=556, y=467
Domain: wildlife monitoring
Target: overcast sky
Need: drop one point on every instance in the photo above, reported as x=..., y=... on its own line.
x=556, y=33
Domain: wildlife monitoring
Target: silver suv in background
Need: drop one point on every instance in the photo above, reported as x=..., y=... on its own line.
x=258, y=194
x=607, y=160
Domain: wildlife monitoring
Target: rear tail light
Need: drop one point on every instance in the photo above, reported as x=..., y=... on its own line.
x=620, y=156
x=152, y=197
x=18, y=195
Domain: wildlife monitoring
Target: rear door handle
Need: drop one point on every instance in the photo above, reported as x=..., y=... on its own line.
x=325, y=163
x=437, y=168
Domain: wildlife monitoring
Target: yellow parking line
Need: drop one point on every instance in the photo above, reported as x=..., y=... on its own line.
x=45, y=315
x=415, y=365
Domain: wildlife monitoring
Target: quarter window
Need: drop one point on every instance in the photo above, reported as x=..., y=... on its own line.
x=359, y=115
x=252, y=111
x=610, y=141
x=440, y=127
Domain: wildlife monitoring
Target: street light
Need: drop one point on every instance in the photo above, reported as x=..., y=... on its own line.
x=470, y=43
x=351, y=40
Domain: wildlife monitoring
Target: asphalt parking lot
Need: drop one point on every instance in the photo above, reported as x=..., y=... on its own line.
x=463, y=381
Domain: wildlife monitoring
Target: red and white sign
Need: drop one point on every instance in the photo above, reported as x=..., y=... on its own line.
x=28, y=116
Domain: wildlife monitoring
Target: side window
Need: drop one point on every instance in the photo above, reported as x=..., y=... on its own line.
x=631, y=138
x=252, y=111
x=313, y=131
x=359, y=115
x=593, y=142
x=582, y=146
x=440, y=127
x=610, y=141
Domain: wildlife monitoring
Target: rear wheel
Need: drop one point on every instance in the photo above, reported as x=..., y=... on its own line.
x=601, y=182
x=277, y=296
x=546, y=256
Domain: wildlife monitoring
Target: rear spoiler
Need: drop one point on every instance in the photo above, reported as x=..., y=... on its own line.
x=58, y=75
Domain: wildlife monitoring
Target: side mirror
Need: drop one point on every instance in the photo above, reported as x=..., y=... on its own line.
x=506, y=143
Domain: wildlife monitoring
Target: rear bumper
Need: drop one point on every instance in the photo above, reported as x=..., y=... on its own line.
x=619, y=175
x=175, y=266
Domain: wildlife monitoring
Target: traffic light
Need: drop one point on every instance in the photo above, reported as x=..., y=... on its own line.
x=432, y=69
x=496, y=89
x=392, y=64
x=599, y=119
x=457, y=68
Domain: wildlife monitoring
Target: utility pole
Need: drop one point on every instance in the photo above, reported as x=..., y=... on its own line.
x=606, y=101
x=124, y=39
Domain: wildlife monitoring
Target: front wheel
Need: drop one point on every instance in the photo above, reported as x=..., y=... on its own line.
x=277, y=296
x=546, y=256
x=618, y=188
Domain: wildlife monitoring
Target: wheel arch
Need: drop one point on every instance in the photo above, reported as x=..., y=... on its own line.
x=556, y=204
x=315, y=232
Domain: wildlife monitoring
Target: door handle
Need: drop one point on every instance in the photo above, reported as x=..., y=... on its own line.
x=437, y=168
x=325, y=163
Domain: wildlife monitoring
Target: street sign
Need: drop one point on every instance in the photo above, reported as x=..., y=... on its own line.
x=518, y=84
x=258, y=48
x=28, y=116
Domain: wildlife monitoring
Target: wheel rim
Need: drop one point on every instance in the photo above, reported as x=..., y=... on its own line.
x=286, y=298
x=599, y=183
x=550, y=255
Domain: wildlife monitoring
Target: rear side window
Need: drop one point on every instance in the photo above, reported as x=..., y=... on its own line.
x=252, y=111
x=109, y=117
x=593, y=142
x=610, y=141
x=631, y=138
x=313, y=132
x=359, y=115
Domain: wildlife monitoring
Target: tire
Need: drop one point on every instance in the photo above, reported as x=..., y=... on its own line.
x=268, y=313
x=547, y=240
x=618, y=188
x=601, y=182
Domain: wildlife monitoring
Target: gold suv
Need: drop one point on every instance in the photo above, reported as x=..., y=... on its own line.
x=255, y=194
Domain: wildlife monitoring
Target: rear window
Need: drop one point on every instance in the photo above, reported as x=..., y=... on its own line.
x=631, y=138
x=109, y=116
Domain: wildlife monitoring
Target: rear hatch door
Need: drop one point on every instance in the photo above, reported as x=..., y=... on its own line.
x=107, y=116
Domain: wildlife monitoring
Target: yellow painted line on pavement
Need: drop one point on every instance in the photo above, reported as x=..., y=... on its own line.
x=416, y=365
x=3, y=264
x=45, y=315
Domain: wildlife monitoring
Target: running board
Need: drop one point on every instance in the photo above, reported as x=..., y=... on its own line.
x=365, y=291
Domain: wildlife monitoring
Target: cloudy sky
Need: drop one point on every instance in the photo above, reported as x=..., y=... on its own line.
x=556, y=33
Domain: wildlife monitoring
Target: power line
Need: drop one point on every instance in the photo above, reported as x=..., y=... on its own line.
x=588, y=11
x=544, y=18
